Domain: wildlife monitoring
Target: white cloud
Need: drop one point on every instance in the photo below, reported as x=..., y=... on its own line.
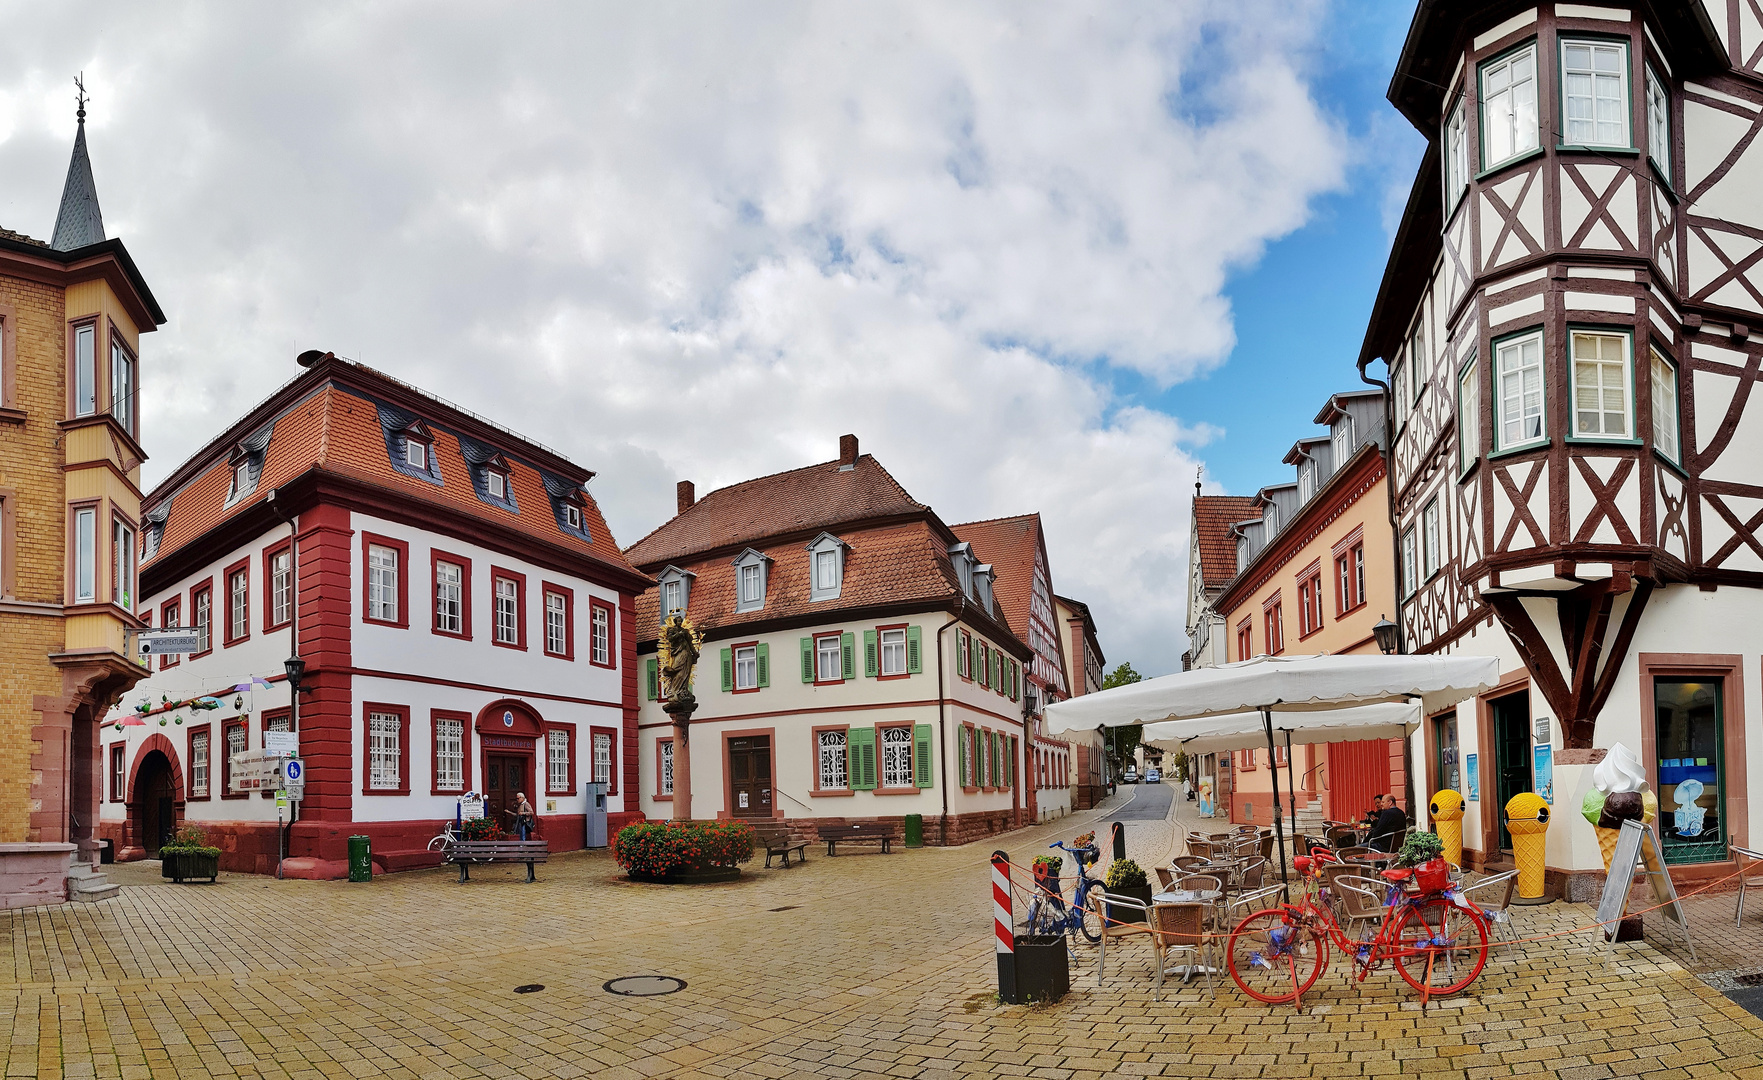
x=703, y=241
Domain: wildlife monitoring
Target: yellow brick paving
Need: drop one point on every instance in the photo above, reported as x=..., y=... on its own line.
x=880, y=967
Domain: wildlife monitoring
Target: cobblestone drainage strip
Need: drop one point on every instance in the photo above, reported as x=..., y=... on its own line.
x=1732, y=980
x=645, y=985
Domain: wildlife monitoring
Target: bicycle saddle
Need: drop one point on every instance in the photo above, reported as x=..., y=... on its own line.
x=1397, y=875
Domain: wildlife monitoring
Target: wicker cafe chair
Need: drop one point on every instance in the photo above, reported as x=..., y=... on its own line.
x=1218, y=836
x=1246, y=847
x=1349, y=852
x=1246, y=904
x=1201, y=882
x=1201, y=848
x=1748, y=861
x=1180, y=928
x=1249, y=874
x=1267, y=839
x=1165, y=879
x=1111, y=931
x=1358, y=903
x=1188, y=863
x=1494, y=893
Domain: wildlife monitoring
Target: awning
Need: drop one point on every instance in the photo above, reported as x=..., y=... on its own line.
x=1243, y=731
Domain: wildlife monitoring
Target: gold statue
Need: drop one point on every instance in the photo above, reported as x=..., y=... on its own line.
x=678, y=649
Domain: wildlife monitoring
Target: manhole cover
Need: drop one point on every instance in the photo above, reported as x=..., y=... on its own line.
x=529, y=988
x=1755, y=978
x=645, y=985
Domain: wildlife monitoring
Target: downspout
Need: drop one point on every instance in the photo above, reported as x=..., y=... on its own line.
x=943, y=727
x=1389, y=471
x=293, y=626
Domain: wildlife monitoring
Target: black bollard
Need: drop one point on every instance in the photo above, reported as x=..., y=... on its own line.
x=1119, y=832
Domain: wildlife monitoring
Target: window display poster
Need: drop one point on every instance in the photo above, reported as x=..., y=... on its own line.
x=1472, y=767
x=1544, y=773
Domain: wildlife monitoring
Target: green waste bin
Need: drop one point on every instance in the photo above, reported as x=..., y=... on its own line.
x=914, y=830
x=360, y=859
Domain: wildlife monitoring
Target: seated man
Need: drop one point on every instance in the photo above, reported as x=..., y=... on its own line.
x=1390, y=821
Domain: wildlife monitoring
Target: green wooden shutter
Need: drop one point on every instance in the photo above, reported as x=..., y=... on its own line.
x=728, y=670
x=961, y=648
x=921, y=757
x=998, y=670
x=871, y=666
x=1015, y=672
x=652, y=678
x=848, y=647
x=861, y=767
x=762, y=661
x=961, y=754
x=807, y=659
x=979, y=663
x=914, y=657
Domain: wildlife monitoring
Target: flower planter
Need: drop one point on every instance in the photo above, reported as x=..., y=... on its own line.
x=1043, y=969
x=683, y=853
x=1432, y=876
x=181, y=866
x=1124, y=914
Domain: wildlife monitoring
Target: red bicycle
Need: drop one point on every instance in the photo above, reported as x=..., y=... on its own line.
x=1437, y=939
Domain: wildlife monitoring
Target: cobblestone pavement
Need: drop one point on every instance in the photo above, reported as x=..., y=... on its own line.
x=859, y=966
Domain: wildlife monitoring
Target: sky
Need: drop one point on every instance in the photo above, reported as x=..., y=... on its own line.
x=1038, y=257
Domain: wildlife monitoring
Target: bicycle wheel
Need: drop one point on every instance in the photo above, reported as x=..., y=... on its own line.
x=1274, y=958
x=1441, y=948
x=1032, y=920
x=1088, y=922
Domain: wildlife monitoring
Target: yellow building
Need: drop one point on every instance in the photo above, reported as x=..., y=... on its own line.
x=71, y=315
x=1315, y=573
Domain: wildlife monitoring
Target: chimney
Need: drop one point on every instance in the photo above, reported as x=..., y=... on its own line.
x=847, y=450
x=684, y=496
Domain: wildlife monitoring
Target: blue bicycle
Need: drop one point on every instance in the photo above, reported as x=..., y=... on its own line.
x=1048, y=914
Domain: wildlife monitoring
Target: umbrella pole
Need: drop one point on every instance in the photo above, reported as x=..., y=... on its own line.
x=1292, y=788
x=1279, y=821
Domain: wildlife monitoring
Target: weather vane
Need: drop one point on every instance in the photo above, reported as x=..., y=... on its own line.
x=80, y=82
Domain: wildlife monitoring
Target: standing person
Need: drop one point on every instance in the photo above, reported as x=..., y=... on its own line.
x=523, y=816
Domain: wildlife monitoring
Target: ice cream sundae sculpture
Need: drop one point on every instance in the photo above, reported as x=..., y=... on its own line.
x=1619, y=793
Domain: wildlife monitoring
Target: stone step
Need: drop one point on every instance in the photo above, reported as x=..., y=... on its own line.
x=86, y=885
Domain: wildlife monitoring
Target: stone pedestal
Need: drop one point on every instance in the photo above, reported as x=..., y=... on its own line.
x=32, y=874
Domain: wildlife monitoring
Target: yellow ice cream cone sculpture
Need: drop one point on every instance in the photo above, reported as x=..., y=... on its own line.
x=1527, y=819
x=1447, y=816
x=1607, y=845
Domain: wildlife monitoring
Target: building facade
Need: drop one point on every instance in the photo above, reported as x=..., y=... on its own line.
x=1568, y=326
x=462, y=613
x=856, y=664
x=1022, y=586
x=1084, y=664
x=1212, y=564
x=1314, y=576
x=72, y=313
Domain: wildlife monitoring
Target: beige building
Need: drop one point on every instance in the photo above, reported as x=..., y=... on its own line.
x=72, y=313
x=1084, y=664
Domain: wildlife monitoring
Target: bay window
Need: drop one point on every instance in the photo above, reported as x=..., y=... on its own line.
x=1601, y=382
x=1659, y=123
x=85, y=555
x=122, y=565
x=1665, y=414
x=1594, y=93
x=122, y=386
x=1468, y=418
x=85, y=370
x=1519, y=390
x=1509, y=106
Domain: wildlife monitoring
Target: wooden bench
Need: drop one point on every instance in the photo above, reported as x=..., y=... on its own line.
x=466, y=852
x=870, y=830
x=777, y=840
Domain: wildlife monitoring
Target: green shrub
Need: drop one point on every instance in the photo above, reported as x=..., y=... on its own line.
x=1421, y=847
x=1126, y=874
x=658, y=848
x=188, y=840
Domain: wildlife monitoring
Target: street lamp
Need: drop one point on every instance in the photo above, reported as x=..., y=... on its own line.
x=296, y=669
x=1385, y=632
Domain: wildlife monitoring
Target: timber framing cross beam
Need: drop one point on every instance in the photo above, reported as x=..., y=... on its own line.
x=1577, y=695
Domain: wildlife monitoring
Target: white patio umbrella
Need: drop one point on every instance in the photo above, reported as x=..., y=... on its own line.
x=1240, y=731
x=1285, y=686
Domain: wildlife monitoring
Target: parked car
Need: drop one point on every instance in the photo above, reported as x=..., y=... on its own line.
x=1131, y=776
x=1152, y=776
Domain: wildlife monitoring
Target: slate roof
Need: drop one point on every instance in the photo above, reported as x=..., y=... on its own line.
x=318, y=423
x=1213, y=517
x=800, y=500
x=1009, y=544
x=79, y=223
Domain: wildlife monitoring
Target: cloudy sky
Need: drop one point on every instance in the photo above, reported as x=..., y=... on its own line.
x=1038, y=257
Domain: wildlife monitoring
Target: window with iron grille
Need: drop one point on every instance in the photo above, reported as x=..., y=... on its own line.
x=450, y=755
x=896, y=754
x=831, y=751
x=199, y=764
x=603, y=759
x=382, y=750
x=557, y=759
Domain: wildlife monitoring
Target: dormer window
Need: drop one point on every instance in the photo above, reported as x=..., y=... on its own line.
x=416, y=454
x=572, y=516
x=826, y=567
x=241, y=477
x=496, y=484
x=1306, y=480
x=961, y=557
x=568, y=503
x=982, y=586
x=675, y=591
x=752, y=569
x=246, y=464
x=1343, y=441
x=409, y=444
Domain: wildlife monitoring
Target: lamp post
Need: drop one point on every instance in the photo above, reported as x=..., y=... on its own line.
x=1385, y=632
x=295, y=667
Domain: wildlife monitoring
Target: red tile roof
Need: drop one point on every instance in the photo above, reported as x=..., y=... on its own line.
x=321, y=424
x=891, y=565
x=1010, y=545
x=800, y=500
x=1213, y=517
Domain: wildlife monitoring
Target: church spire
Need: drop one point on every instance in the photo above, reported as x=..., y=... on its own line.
x=80, y=222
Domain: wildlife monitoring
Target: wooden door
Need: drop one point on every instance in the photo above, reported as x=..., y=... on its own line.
x=1512, y=763
x=749, y=772
x=505, y=777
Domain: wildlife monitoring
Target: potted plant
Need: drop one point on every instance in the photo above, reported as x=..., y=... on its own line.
x=1424, y=854
x=684, y=852
x=480, y=829
x=1046, y=870
x=1043, y=969
x=1127, y=878
x=189, y=856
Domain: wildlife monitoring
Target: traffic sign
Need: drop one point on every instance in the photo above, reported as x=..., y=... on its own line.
x=293, y=778
x=281, y=742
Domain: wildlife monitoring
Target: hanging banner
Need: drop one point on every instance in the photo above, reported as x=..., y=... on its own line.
x=1543, y=775
x=1472, y=768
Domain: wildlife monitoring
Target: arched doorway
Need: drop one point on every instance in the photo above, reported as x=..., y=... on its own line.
x=510, y=732
x=154, y=802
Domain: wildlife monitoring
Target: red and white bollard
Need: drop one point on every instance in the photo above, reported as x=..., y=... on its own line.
x=1003, y=927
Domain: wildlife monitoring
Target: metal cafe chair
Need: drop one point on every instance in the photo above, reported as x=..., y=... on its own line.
x=1100, y=902
x=1180, y=928
x=1747, y=860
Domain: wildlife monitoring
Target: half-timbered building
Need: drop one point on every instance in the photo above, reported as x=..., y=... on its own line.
x=1568, y=325
x=856, y=667
x=460, y=615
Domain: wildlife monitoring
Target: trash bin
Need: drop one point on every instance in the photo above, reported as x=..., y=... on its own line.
x=596, y=816
x=106, y=852
x=360, y=859
x=914, y=830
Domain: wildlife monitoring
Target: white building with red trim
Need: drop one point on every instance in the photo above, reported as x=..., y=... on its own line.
x=463, y=614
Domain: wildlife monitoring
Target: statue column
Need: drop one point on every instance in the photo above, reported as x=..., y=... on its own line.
x=681, y=709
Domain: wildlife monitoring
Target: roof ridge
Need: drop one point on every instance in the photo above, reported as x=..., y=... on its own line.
x=997, y=520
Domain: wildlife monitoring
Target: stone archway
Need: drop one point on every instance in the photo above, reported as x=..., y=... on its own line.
x=155, y=804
